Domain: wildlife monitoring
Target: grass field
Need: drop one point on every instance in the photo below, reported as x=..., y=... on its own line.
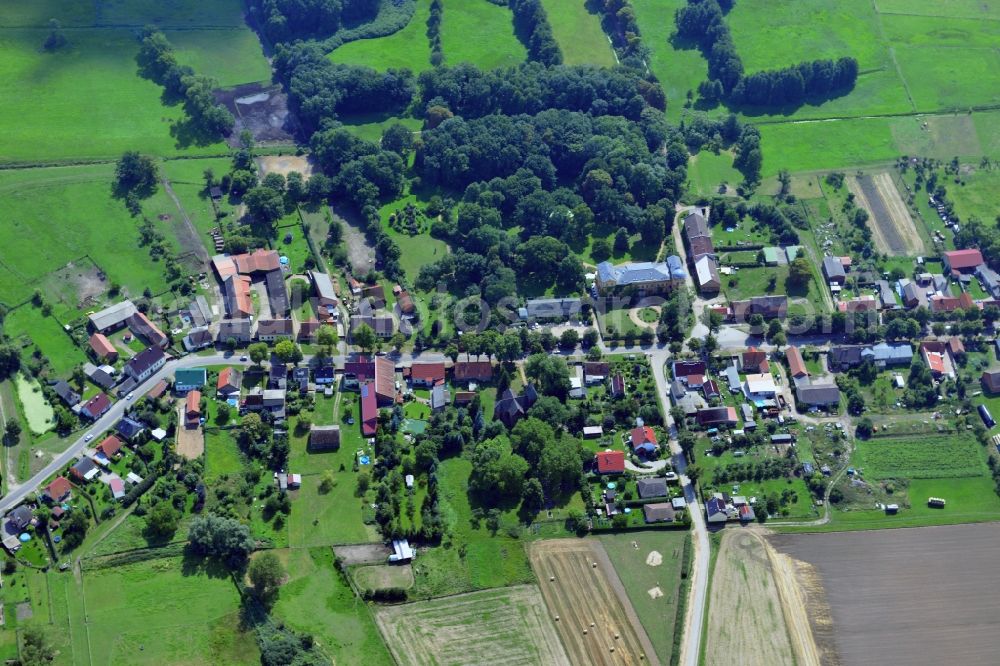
x=416, y=250
x=656, y=610
x=316, y=599
x=707, y=172
x=231, y=57
x=479, y=32
x=222, y=455
x=57, y=215
x=509, y=626
x=578, y=33
x=407, y=48
x=28, y=322
x=95, y=103
x=189, y=615
x=921, y=457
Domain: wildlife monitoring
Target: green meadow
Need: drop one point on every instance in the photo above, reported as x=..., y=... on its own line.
x=407, y=48
x=480, y=33
x=579, y=34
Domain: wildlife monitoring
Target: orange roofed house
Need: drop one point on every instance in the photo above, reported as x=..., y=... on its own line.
x=103, y=349
x=192, y=410
x=610, y=462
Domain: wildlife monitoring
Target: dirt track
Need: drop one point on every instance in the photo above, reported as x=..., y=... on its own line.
x=893, y=229
x=925, y=595
x=756, y=614
x=190, y=441
x=596, y=621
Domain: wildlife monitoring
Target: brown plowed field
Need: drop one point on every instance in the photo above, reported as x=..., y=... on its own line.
x=893, y=229
x=596, y=621
x=924, y=595
x=503, y=627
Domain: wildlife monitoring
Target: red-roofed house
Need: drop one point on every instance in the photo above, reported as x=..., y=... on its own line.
x=110, y=447
x=103, y=348
x=610, y=462
x=962, y=261
x=473, y=371
x=259, y=261
x=58, y=490
x=369, y=409
x=94, y=408
x=192, y=410
x=427, y=374
x=643, y=440
x=754, y=362
x=796, y=365
x=229, y=383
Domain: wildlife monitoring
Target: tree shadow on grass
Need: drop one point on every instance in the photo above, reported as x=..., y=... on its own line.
x=186, y=134
x=194, y=564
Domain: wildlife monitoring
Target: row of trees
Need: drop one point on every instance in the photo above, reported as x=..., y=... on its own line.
x=157, y=61
x=434, y=32
x=531, y=24
x=703, y=22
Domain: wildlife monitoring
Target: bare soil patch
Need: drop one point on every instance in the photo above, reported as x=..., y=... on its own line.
x=746, y=617
x=907, y=596
x=596, y=621
x=384, y=576
x=892, y=226
x=509, y=626
x=285, y=164
x=190, y=441
x=79, y=284
x=360, y=255
x=262, y=109
x=654, y=559
x=364, y=553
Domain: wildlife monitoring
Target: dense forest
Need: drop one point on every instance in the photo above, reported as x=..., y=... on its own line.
x=285, y=20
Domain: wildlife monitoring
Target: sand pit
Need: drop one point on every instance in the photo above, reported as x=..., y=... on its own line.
x=655, y=593
x=654, y=559
x=285, y=164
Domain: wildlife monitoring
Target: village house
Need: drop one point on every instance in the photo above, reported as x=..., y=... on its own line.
x=833, y=270
x=142, y=366
x=686, y=370
x=698, y=236
x=384, y=326
x=108, y=450
x=886, y=295
x=989, y=279
x=236, y=330
x=271, y=401
x=552, y=309
x=197, y=338
x=991, y=381
x=103, y=350
x=759, y=387
x=308, y=330
x=717, y=417
x=192, y=410
x=707, y=273
x=84, y=470
x=769, y=307
x=369, y=409
x=818, y=395
x=269, y=330
x=58, y=490
x=617, y=385
x=643, y=440
x=66, y=393
x=229, y=383
x=472, y=371
x=325, y=375
x=147, y=331
x=842, y=358
x=595, y=372
x=186, y=379
x=440, y=397
x=887, y=354
x=425, y=375
x=941, y=356
x=754, y=361
x=659, y=512
x=652, y=487
x=378, y=370
x=96, y=407
x=610, y=462
x=962, y=261
x=326, y=293
x=129, y=428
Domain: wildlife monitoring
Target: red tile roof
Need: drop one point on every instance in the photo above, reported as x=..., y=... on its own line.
x=258, y=261
x=796, y=364
x=225, y=377
x=935, y=361
x=158, y=390
x=97, y=405
x=369, y=410
x=427, y=372
x=385, y=379
x=58, y=488
x=477, y=370
x=755, y=360
x=110, y=446
x=610, y=462
x=643, y=434
x=405, y=303
x=963, y=259
x=193, y=404
x=102, y=346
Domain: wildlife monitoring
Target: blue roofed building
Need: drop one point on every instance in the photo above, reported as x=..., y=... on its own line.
x=885, y=354
x=641, y=277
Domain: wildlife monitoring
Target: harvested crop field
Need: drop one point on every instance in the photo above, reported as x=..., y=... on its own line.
x=756, y=611
x=892, y=226
x=505, y=626
x=596, y=621
x=911, y=596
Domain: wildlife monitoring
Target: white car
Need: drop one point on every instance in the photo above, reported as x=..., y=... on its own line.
x=129, y=396
x=88, y=437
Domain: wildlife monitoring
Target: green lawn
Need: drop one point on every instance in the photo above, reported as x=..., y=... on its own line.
x=57, y=215
x=222, y=454
x=707, y=171
x=946, y=77
x=168, y=610
x=658, y=616
x=316, y=599
x=921, y=457
x=231, y=57
x=416, y=250
x=86, y=100
x=28, y=323
x=480, y=33
x=371, y=126
x=810, y=146
x=680, y=67
x=578, y=33
x=407, y=48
